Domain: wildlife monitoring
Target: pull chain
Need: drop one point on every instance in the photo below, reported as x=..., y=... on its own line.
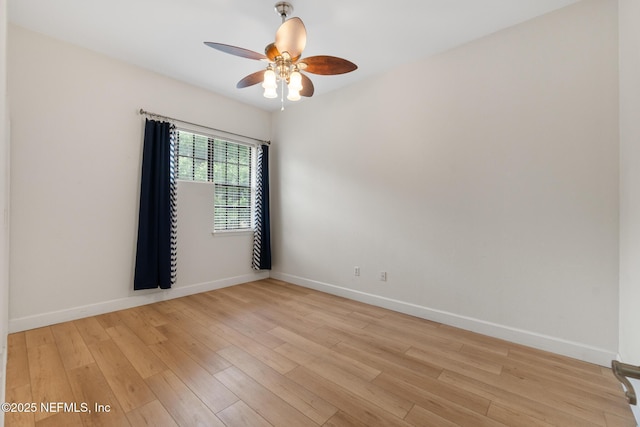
x=282, y=96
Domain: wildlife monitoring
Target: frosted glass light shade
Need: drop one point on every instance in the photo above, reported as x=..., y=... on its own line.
x=270, y=92
x=295, y=81
x=293, y=95
x=269, y=79
x=269, y=84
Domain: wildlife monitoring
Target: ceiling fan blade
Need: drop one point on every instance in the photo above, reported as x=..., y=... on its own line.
x=307, y=86
x=271, y=51
x=237, y=51
x=251, y=79
x=327, y=65
x=291, y=37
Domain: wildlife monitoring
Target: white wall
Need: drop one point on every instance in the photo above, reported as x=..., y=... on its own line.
x=629, y=11
x=75, y=173
x=483, y=180
x=4, y=204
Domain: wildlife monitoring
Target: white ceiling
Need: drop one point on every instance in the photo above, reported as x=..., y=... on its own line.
x=167, y=35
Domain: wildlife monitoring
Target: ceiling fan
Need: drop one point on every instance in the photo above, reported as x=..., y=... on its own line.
x=285, y=62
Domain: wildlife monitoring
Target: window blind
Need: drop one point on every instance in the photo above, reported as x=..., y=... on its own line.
x=229, y=166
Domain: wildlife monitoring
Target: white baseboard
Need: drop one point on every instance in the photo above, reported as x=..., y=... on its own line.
x=136, y=299
x=532, y=339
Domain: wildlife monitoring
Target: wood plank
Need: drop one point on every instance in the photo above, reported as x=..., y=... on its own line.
x=259, y=351
x=39, y=336
x=298, y=323
x=152, y=414
x=170, y=306
x=414, y=337
x=109, y=320
x=540, y=393
x=402, y=321
x=571, y=391
x=199, y=352
x=456, y=363
x=300, y=398
x=352, y=366
x=492, y=344
x=514, y=401
x=284, y=288
x=348, y=331
x=608, y=379
x=197, y=331
x=239, y=295
x=125, y=382
x=419, y=416
x=342, y=419
x=361, y=388
x=338, y=320
x=559, y=373
x=17, y=361
x=136, y=321
x=241, y=415
x=238, y=316
x=91, y=330
x=421, y=390
x=139, y=355
x=296, y=354
x=347, y=306
x=283, y=302
x=556, y=361
x=48, y=379
x=90, y=387
x=263, y=401
x=514, y=418
x=357, y=407
x=19, y=394
x=152, y=316
x=457, y=413
x=67, y=419
x=322, y=306
x=618, y=421
x=383, y=360
x=184, y=406
x=204, y=385
x=72, y=348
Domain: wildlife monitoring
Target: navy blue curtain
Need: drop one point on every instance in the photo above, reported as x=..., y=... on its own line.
x=262, y=233
x=155, y=255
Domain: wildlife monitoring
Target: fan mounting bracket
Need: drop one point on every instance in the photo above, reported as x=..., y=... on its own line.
x=283, y=9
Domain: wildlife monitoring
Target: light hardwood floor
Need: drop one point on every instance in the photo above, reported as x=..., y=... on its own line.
x=269, y=353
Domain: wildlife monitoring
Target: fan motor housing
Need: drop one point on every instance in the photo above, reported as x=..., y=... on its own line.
x=283, y=9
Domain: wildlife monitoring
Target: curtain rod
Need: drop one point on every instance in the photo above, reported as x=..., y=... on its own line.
x=148, y=113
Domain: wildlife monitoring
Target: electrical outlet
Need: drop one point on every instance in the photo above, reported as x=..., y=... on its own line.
x=383, y=276
x=356, y=271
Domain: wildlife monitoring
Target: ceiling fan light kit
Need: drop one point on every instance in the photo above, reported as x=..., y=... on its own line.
x=284, y=58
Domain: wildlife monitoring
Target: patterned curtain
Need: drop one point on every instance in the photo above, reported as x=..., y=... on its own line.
x=262, y=233
x=157, y=223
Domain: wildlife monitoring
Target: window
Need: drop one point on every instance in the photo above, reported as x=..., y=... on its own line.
x=229, y=165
